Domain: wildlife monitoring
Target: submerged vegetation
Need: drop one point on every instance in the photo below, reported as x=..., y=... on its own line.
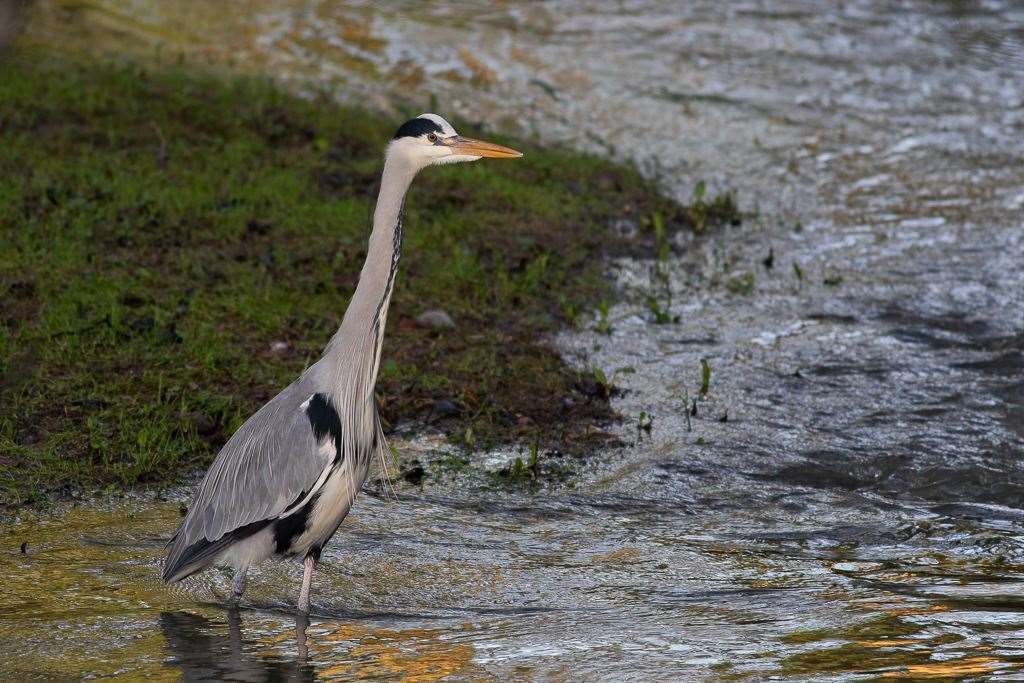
x=175, y=248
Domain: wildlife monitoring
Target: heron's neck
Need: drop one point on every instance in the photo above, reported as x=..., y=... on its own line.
x=358, y=340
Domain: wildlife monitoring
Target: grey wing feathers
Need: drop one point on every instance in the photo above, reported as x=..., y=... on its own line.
x=271, y=461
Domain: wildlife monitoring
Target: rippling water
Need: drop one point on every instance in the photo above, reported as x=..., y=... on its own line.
x=846, y=501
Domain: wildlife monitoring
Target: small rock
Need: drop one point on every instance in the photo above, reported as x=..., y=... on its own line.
x=435, y=319
x=856, y=567
x=278, y=346
x=446, y=408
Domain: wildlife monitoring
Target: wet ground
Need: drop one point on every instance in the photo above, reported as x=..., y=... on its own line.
x=846, y=501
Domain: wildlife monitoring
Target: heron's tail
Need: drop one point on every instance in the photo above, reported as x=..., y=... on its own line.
x=184, y=561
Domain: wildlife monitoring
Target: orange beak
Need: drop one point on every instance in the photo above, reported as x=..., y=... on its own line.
x=479, y=148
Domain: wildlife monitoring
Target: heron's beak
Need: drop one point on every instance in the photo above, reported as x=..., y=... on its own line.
x=479, y=148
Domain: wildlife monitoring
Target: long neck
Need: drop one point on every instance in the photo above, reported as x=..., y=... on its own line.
x=355, y=349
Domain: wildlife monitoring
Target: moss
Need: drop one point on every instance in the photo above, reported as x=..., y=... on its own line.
x=160, y=230
x=742, y=284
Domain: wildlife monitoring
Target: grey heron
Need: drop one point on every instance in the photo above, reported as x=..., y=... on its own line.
x=285, y=480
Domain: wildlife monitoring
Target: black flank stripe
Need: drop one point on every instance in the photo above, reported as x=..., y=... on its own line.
x=291, y=527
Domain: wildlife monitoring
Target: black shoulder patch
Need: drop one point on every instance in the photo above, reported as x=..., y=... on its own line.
x=413, y=128
x=325, y=421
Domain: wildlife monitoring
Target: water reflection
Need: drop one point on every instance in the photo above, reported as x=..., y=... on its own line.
x=203, y=652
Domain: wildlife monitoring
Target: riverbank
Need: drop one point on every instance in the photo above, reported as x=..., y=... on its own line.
x=178, y=246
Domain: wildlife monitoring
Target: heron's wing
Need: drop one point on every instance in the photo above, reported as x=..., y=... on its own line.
x=270, y=464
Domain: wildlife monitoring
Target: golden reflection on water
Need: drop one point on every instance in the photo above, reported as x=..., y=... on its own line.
x=85, y=599
x=894, y=643
x=73, y=602
x=416, y=655
x=889, y=634
x=972, y=666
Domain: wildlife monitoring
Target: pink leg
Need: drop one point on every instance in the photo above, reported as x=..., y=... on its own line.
x=307, y=581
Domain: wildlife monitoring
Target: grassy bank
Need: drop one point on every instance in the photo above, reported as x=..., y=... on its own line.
x=175, y=248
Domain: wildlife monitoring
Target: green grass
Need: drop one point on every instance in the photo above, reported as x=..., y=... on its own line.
x=159, y=229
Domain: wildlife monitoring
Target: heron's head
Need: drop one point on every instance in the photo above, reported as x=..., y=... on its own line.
x=429, y=140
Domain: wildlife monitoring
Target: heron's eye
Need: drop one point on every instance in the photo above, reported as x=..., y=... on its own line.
x=431, y=137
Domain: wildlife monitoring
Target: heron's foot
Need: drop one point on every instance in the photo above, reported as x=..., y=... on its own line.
x=226, y=599
x=233, y=598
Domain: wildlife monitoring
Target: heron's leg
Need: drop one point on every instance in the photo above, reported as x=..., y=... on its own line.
x=238, y=585
x=307, y=581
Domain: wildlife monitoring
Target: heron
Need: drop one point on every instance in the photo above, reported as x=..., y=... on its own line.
x=285, y=480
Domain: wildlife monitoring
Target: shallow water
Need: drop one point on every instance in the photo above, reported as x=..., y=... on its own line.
x=857, y=514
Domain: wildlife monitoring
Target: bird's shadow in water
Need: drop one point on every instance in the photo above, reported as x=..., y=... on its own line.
x=198, y=647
